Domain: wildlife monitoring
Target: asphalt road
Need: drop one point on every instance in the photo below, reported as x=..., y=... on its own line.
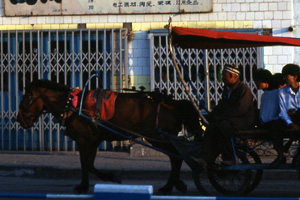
x=59, y=173
x=267, y=188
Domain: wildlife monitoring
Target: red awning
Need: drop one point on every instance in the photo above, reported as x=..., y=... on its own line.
x=209, y=39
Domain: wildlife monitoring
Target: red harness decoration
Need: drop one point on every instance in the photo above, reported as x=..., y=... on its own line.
x=107, y=107
x=74, y=93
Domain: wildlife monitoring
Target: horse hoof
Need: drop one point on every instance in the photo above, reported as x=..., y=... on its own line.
x=80, y=189
x=181, y=186
x=165, y=191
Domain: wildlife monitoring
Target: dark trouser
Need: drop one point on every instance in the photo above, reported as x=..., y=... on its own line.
x=277, y=127
x=217, y=140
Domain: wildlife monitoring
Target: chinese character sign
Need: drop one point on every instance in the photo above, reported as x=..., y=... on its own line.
x=81, y=7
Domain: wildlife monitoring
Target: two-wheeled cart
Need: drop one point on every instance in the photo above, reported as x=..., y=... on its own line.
x=244, y=176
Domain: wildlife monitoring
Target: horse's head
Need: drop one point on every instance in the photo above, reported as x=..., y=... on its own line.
x=41, y=95
x=31, y=106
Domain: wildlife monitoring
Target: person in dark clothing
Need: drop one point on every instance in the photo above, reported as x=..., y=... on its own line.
x=235, y=111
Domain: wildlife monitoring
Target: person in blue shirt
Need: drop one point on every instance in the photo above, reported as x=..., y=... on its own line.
x=269, y=108
x=289, y=96
x=289, y=102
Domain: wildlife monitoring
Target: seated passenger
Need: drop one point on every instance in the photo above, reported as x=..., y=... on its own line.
x=269, y=107
x=234, y=112
x=277, y=81
x=289, y=99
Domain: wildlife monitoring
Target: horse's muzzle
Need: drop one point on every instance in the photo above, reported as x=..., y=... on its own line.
x=24, y=123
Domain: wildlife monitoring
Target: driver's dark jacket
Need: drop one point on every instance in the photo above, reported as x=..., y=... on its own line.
x=238, y=109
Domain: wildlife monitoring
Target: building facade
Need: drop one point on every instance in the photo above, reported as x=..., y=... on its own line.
x=127, y=42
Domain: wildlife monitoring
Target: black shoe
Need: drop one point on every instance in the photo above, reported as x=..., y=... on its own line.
x=278, y=161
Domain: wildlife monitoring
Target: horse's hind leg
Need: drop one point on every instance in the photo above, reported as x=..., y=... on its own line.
x=174, y=178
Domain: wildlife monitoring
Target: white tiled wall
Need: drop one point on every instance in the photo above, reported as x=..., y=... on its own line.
x=139, y=55
x=275, y=14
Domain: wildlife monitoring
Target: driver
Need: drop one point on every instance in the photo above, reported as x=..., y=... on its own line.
x=235, y=111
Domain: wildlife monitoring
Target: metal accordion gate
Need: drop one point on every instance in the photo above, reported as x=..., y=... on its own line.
x=66, y=56
x=202, y=67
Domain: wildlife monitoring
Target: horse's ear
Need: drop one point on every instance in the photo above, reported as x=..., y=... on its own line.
x=34, y=82
x=30, y=86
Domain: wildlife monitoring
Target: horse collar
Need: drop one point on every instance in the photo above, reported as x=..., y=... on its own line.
x=71, y=105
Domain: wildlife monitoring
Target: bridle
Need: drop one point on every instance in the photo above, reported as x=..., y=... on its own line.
x=32, y=100
x=67, y=111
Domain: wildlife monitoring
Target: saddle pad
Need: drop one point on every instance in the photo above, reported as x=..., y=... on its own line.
x=100, y=103
x=108, y=105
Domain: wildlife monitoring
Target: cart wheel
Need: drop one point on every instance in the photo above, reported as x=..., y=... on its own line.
x=201, y=182
x=230, y=182
x=216, y=181
x=253, y=158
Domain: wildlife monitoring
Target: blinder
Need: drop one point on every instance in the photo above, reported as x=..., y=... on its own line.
x=26, y=103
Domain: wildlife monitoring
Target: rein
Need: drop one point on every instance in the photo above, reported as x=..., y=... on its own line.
x=100, y=121
x=132, y=139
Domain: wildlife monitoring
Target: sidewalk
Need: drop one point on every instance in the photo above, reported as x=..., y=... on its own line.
x=140, y=163
x=66, y=165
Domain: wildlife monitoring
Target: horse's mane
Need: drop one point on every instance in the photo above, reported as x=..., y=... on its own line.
x=47, y=84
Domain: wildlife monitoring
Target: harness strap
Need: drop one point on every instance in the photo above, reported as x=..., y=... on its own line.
x=99, y=95
x=157, y=115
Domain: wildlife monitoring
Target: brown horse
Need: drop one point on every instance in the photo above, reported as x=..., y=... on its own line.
x=137, y=112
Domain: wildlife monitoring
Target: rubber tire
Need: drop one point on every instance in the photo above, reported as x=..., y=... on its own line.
x=224, y=180
x=199, y=185
x=258, y=173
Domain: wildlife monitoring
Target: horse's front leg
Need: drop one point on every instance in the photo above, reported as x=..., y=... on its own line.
x=105, y=176
x=83, y=187
x=174, y=180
